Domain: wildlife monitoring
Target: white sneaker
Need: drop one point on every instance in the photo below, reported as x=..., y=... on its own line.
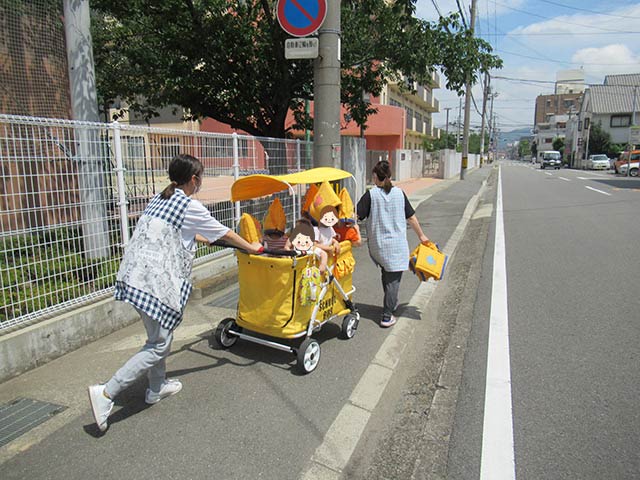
x=100, y=405
x=171, y=386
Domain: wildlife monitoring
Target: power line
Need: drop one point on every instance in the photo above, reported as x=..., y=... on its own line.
x=567, y=63
x=549, y=18
x=555, y=34
x=464, y=21
x=586, y=10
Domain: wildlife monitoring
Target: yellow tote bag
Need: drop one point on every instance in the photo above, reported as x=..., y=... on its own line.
x=427, y=261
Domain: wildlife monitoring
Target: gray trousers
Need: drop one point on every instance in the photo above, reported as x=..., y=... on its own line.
x=391, y=287
x=151, y=359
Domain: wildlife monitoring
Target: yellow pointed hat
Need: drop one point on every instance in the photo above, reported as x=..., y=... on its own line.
x=323, y=198
x=308, y=198
x=275, y=219
x=346, y=209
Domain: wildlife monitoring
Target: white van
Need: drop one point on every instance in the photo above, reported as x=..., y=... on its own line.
x=550, y=158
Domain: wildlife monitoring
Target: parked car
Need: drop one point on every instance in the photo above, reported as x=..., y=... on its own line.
x=633, y=172
x=632, y=156
x=551, y=159
x=598, y=161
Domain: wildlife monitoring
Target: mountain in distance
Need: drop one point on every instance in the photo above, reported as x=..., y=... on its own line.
x=505, y=138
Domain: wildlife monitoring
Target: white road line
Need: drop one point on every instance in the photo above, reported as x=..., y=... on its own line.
x=547, y=173
x=596, y=190
x=588, y=178
x=498, y=457
x=565, y=179
x=339, y=443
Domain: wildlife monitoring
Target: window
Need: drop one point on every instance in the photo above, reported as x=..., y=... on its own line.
x=587, y=122
x=419, y=123
x=620, y=120
x=410, y=118
x=548, y=140
x=394, y=103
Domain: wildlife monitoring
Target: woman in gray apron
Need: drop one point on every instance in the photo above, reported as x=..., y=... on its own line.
x=387, y=210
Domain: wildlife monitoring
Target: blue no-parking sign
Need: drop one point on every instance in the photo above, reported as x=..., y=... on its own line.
x=301, y=17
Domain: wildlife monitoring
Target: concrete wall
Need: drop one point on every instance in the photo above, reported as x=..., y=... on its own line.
x=401, y=165
x=35, y=345
x=451, y=163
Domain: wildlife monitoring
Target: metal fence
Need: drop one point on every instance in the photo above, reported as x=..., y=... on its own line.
x=71, y=193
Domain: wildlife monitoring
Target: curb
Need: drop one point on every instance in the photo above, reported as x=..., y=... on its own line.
x=333, y=454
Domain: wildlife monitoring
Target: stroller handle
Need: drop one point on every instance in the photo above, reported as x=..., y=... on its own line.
x=268, y=251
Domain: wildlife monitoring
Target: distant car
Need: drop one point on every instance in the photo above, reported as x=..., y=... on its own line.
x=632, y=156
x=598, y=162
x=633, y=172
x=551, y=159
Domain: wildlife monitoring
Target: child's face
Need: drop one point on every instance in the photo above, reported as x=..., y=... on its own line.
x=329, y=219
x=302, y=242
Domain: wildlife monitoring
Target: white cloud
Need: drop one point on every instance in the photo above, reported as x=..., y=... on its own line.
x=610, y=59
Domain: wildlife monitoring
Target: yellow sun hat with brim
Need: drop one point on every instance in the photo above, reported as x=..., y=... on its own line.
x=308, y=197
x=323, y=198
x=346, y=211
x=275, y=220
x=249, y=228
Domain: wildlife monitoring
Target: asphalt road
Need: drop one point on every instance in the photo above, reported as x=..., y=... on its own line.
x=572, y=272
x=243, y=413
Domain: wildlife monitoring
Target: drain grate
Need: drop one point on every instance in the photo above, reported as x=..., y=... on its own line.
x=23, y=414
x=228, y=299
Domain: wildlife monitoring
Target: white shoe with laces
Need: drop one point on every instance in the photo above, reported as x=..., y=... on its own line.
x=101, y=406
x=171, y=386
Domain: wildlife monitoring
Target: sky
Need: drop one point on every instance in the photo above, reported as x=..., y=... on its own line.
x=536, y=39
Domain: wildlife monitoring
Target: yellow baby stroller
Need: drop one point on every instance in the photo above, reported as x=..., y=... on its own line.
x=270, y=302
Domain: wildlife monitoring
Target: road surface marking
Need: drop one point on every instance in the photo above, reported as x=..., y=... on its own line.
x=498, y=458
x=588, y=178
x=565, y=179
x=339, y=443
x=596, y=190
x=547, y=173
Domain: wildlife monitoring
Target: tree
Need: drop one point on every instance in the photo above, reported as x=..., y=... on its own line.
x=474, y=142
x=446, y=140
x=524, y=148
x=599, y=139
x=558, y=144
x=224, y=59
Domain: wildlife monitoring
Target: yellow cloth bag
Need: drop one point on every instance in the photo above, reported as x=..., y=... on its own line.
x=427, y=261
x=249, y=228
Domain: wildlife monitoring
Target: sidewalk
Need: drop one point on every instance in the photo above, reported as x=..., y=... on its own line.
x=237, y=401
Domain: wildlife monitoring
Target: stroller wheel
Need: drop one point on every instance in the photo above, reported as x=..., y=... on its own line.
x=308, y=355
x=222, y=335
x=349, y=325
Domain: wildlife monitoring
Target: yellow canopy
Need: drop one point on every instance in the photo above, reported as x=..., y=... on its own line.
x=256, y=186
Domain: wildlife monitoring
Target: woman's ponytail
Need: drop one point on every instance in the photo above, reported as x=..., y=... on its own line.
x=382, y=170
x=181, y=169
x=169, y=190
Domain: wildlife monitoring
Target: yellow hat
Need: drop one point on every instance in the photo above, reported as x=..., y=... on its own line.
x=249, y=228
x=346, y=210
x=324, y=197
x=308, y=198
x=275, y=219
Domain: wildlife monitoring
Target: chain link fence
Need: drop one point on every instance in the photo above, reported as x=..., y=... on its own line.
x=71, y=194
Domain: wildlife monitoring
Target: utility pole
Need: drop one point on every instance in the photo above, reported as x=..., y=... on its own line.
x=326, y=91
x=633, y=123
x=459, y=122
x=492, y=124
x=484, y=111
x=84, y=107
x=447, y=128
x=467, y=104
